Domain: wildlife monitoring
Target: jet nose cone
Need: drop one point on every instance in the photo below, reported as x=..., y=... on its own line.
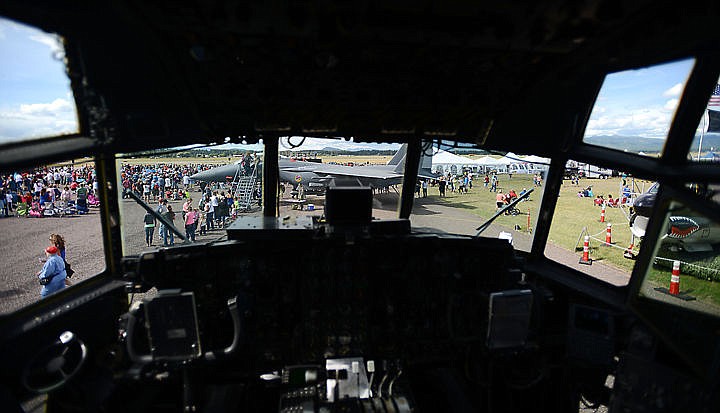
x=644, y=204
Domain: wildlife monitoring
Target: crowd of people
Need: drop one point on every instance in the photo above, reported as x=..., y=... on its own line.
x=169, y=180
x=600, y=200
x=214, y=210
x=216, y=205
x=460, y=184
x=49, y=191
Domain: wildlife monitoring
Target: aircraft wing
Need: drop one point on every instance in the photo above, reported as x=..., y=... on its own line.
x=368, y=172
x=427, y=174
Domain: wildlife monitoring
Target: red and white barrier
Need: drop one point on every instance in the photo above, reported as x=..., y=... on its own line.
x=608, y=235
x=586, y=252
x=675, y=279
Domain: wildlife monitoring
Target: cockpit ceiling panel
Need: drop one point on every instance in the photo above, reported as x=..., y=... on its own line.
x=473, y=72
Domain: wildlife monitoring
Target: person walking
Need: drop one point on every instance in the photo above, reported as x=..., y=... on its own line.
x=202, y=220
x=149, y=223
x=52, y=275
x=168, y=233
x=190, y=223
x=210, y=215
x=58, y=241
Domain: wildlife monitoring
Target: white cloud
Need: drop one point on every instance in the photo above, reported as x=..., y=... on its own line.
x=671, y=104
x=53, y=108
x=51, y=41
x=674, y=91
x=651, y=122
x=36, y=120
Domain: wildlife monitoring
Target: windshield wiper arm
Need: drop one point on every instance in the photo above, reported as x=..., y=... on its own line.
x=487, y=223
x=157, y=215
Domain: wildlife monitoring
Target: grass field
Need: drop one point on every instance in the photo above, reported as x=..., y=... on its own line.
x=574, y=215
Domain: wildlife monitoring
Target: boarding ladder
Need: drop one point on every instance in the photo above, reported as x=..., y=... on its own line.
x=245, y=188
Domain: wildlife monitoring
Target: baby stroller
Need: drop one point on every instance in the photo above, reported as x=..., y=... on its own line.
x=70, y=208
x=512, y=211
x=22, y=209
x=35, y=211
x=93, y=201
x=48, y=210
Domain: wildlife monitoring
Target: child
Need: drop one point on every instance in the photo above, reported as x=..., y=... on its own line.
x=202, y=221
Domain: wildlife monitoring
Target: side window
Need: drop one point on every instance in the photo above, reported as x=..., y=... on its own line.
x=201, y=191
x=685, y=269
x=36, y=98
x=599, y=221
x=635, y=108
x=51, y=205
x=56, y=200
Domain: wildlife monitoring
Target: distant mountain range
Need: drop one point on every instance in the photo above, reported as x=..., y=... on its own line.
x=640, y=144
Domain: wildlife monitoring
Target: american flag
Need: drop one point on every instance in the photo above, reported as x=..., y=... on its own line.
x=715, y=98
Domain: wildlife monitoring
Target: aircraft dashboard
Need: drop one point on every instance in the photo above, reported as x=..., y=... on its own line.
x=282, y=303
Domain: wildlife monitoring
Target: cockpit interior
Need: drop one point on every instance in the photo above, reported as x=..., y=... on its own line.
x=329, y=285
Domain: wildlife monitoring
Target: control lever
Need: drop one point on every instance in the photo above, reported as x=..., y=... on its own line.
x=385, y=376
x=371, y=370
x=237, y=331
x=210, y=355
x=390, y=386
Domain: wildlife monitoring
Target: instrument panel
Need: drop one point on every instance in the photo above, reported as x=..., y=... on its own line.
x=334, y=297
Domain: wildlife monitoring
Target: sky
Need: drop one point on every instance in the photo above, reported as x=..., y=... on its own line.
x=639, y=102
x=35, y=96
x=314, y=144
x=36, y=100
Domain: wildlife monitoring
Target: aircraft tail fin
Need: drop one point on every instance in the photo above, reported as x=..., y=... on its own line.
x=425, y=166
x=399, y=157
x=426, y=157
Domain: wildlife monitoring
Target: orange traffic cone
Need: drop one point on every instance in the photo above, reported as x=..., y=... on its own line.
x=602, y=213
x=586, y=252
x=675, y=279
x=608, y=235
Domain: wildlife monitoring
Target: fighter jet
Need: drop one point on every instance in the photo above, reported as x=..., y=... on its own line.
x=314, y=177
x=688, y=231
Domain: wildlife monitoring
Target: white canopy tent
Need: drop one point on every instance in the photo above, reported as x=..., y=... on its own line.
x=510, y=163
x=487, y=160
x=445, y=162
x=536, y=163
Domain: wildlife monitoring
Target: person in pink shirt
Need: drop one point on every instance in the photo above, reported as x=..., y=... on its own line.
x=191, y=218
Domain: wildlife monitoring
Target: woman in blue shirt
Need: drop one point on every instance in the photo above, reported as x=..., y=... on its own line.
x=54, y=270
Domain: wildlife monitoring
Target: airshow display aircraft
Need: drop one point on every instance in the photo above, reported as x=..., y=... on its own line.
x=315, y=176
x=692, y=232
